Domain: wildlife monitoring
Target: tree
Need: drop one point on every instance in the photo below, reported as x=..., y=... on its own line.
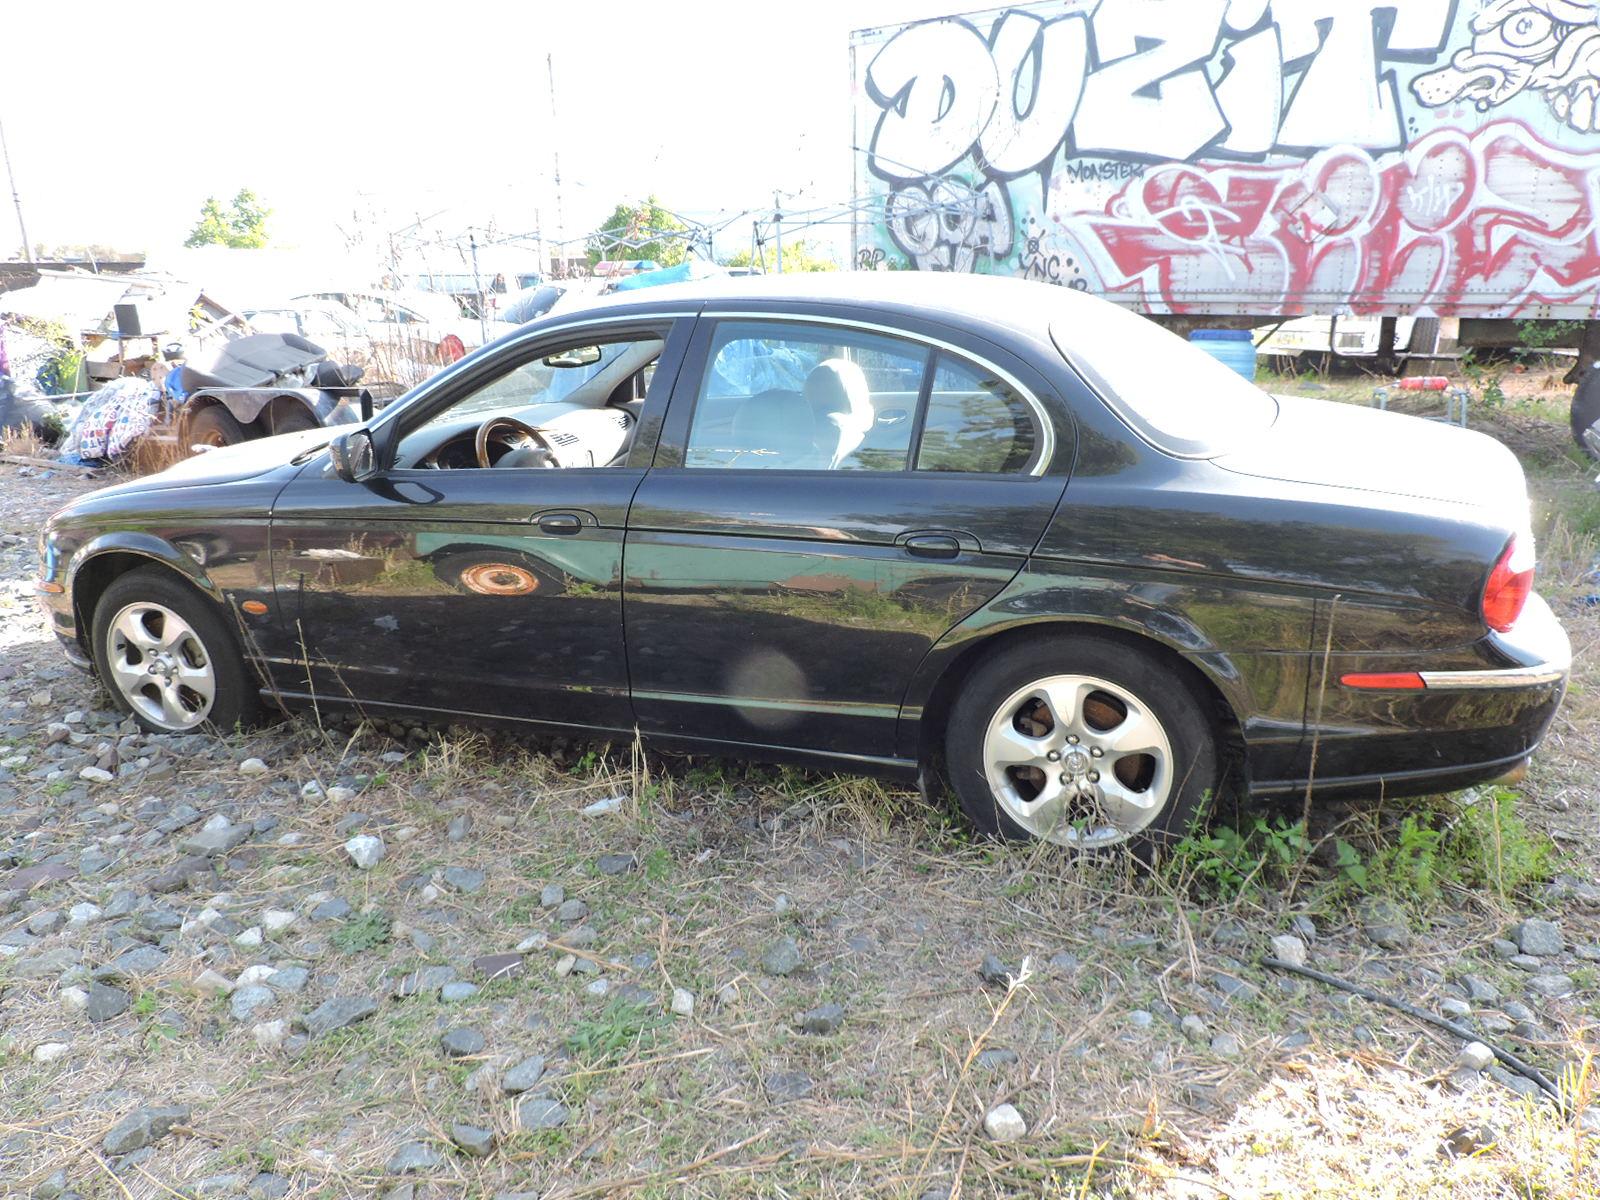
x=241, y=225
x=634, y=231
x=799, y=254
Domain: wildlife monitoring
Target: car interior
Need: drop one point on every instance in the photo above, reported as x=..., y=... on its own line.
x=578, y=407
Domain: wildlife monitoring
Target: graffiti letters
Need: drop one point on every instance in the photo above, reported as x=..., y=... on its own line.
x=1550, y=46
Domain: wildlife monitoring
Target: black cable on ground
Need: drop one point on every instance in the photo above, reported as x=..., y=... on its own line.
x=1526, y=1070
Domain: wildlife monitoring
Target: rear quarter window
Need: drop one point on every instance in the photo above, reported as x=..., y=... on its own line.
x=976, y=423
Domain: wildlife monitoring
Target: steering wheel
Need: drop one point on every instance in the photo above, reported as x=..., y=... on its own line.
x=480, y=443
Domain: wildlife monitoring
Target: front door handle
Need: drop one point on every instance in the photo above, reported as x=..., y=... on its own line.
x=932, y=545
x=562, y=524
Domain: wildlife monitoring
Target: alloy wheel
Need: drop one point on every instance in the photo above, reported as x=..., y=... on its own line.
x=1078, y=761
x=160, y=666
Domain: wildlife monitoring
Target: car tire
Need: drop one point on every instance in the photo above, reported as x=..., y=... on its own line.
x=215, y=426
x=1073, y=706
x=295, y=420
x=168, y=657
x=1586, y=410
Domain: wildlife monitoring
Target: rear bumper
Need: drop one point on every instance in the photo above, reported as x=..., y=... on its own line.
x=1465, y=727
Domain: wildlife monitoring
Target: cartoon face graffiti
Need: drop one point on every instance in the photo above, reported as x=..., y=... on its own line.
x=1549, y=46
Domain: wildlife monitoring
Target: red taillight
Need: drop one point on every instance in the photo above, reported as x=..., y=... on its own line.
x=1510, y=584
x=1400, y=681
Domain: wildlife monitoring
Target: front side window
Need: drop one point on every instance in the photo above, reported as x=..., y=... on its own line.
x=572, y=406
x=797, y=397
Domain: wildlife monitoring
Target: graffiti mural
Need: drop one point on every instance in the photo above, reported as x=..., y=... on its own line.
x=1256, y=156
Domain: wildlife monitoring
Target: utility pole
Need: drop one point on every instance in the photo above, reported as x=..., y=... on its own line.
x=555, y=153
x=5, y=152
x=777, y=223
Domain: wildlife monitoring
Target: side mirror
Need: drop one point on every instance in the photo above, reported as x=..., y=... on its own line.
x=355, y=460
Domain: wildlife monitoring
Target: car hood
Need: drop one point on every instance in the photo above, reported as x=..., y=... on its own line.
x=1366, y=449
x=229, y=464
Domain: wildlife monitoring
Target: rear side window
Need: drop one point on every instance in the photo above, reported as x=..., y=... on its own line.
x=976, y=423
x=797, y=397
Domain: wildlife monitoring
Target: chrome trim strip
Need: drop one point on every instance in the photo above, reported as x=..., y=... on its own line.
x=1046, y=424
x=1513, y=677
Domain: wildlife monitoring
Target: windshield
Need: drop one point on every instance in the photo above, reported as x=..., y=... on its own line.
x=1176, y=397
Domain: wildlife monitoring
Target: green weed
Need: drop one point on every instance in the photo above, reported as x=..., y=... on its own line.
x=363, y=933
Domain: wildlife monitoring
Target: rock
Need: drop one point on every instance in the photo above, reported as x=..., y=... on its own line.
x=782, y=903
x=458, y=828
x=994, y=972
x=250, y=938
x=44, y=922
x=1480, y=990
x=365, y=851
x=524, y=1076
x=1194, y=1028
x=256, y=973
x=339, y=1012
x=268, y=1186
x=95, y=775
x=600, y=808
x=997, y=1058
x=1504, y=948
x=143, y=1127
x=786, y=1087
x=461, y=1042
x=682, y=1002
x=1304, y=927
x=336, y=909
x=467, y=880
x=1525, y=962
x=781, y=958
x=1384, y=923
x=1456, y=1010
x=541, y=1112
x=106, y=1002
x=457, y=991
x=288, y=980
x=1540, y=938
x=1004, y=1123
x=1138, y=1018
x=616, y=864
x=49, y=1052
x=565, y=965
x=1288, y=948
x=248, y=1000
x=83, y=914
x=74, y=1000
x=498, y=966
x=552, y=895
x=412, y=1157
x=1064, y=963
x=1467, y=1140
x=1225, y=1045
x=824, y=1019
x=276, y=920
x=1554, y=985
x=214, y=840
x=130, y=964
x=252, y=767
x=580, y=938
x=572, y=911
x=425, y=980
x=472, y=1140
x=1475, y=1056
x=599, y=987
x=270, y=1035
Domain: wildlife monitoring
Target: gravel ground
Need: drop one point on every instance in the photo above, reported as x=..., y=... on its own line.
x=408, y=963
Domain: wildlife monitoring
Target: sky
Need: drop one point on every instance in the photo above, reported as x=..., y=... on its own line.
x=352, y=120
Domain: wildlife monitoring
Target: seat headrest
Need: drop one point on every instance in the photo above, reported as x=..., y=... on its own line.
x=838, y=387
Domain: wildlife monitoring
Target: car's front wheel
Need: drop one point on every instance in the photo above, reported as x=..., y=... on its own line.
x=167, y=656
x=1083, y=741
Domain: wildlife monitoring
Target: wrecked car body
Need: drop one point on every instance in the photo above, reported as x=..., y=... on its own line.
x=263, y=385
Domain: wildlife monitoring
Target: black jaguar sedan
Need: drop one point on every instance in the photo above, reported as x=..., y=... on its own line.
x=892, y=523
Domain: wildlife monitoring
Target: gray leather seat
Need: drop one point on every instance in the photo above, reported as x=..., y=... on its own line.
x=841, y=403
x=775, y=430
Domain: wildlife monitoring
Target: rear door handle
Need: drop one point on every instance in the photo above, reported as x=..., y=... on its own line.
x=932, y=545
x=563, y=524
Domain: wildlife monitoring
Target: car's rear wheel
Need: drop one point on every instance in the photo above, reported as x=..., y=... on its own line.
x=296, y=419
x=167, y=656
x=1082, y=741
x=215, y=426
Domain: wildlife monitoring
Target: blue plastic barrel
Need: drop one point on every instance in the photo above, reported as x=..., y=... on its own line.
x=1234, y=348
